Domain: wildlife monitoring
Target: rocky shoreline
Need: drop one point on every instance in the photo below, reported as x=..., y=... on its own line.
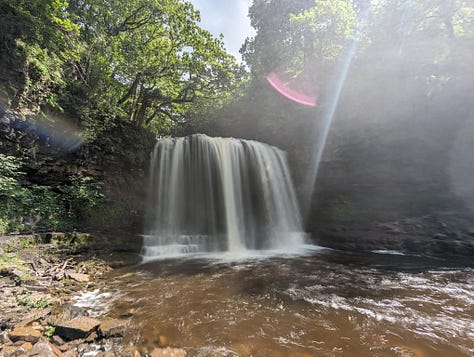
x=41, y=277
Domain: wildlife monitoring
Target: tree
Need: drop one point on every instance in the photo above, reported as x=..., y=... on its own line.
x=151, y=58
x=142, y=60
x=35, y=47
x=430, y=18
x=297, y=36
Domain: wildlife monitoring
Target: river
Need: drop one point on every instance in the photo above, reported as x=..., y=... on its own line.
x=324, y=303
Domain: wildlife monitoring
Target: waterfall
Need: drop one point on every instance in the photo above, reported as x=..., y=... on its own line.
x=219, y=195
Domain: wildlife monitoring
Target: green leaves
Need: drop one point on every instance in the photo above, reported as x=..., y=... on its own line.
x=26, y=207
x=102, y=62
x=297, y=36
x=155, y=57
x=324, y=28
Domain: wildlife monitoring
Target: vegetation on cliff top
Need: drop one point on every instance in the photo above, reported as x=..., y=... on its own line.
x=119, y=73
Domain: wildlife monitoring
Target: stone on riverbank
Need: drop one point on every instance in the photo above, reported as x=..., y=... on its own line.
x=35, y=316
x=82, y=278
x=78, y=327
x=22, y=333
x=112, y=328
x=44, y=349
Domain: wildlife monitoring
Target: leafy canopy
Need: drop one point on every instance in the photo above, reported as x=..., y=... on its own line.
x=103, y=61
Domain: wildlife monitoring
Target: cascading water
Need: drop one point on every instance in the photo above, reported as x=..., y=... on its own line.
x=219, y=195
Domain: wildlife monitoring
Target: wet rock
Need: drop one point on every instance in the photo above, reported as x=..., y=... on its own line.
x=112, y=328
x=163, y=340
x=69, y=312
x=22, y=333
x=440, y=236
x=168, y=352
x=78, y=327
x=78, y=277
x=130, y=351
x=131, y=312
x=44, y=349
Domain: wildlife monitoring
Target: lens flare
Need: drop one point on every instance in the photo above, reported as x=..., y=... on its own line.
x=52, y=130
x=60, y=132
x=284, y=88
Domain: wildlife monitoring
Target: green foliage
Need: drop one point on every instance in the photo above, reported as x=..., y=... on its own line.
x=104, y=62
x=82, y=197
x=424, y=19
x=25, y=208
x=9, y=260
x=49, y=331
x=113, y=68
x=11, y=191
x=9, y=171
x=27, y=299
x=20, y=206
x=43, y=76
x=37, y=44
x=149, y=59
x=323, y=29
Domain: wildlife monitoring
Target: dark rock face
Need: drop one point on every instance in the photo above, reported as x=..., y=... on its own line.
x=425, y=235
x=53, y=157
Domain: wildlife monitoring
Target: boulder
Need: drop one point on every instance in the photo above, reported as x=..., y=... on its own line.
x=78, y=327
x=22, y=333
x=58, y=341
x=43, y=348
x=112, y=327
x=27, y=346
x=12, y=351
x=78, y=277
x=69, y=312
x=35, y=316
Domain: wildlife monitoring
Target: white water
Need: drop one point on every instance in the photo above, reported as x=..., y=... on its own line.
x=219, y=195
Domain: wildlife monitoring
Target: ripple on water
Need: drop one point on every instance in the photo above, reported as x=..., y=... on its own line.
x=309, y=305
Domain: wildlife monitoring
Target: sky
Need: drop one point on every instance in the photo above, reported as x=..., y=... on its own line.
x=228, y=17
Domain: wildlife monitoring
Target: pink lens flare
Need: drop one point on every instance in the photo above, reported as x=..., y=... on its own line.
x=290, y=93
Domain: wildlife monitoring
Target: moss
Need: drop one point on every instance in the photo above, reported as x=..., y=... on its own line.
x=26, y=299
x=9, y=260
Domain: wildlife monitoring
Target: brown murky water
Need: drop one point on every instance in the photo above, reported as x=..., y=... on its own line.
x=326, y=304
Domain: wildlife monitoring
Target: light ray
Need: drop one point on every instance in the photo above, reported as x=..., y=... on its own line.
x=342, y=71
